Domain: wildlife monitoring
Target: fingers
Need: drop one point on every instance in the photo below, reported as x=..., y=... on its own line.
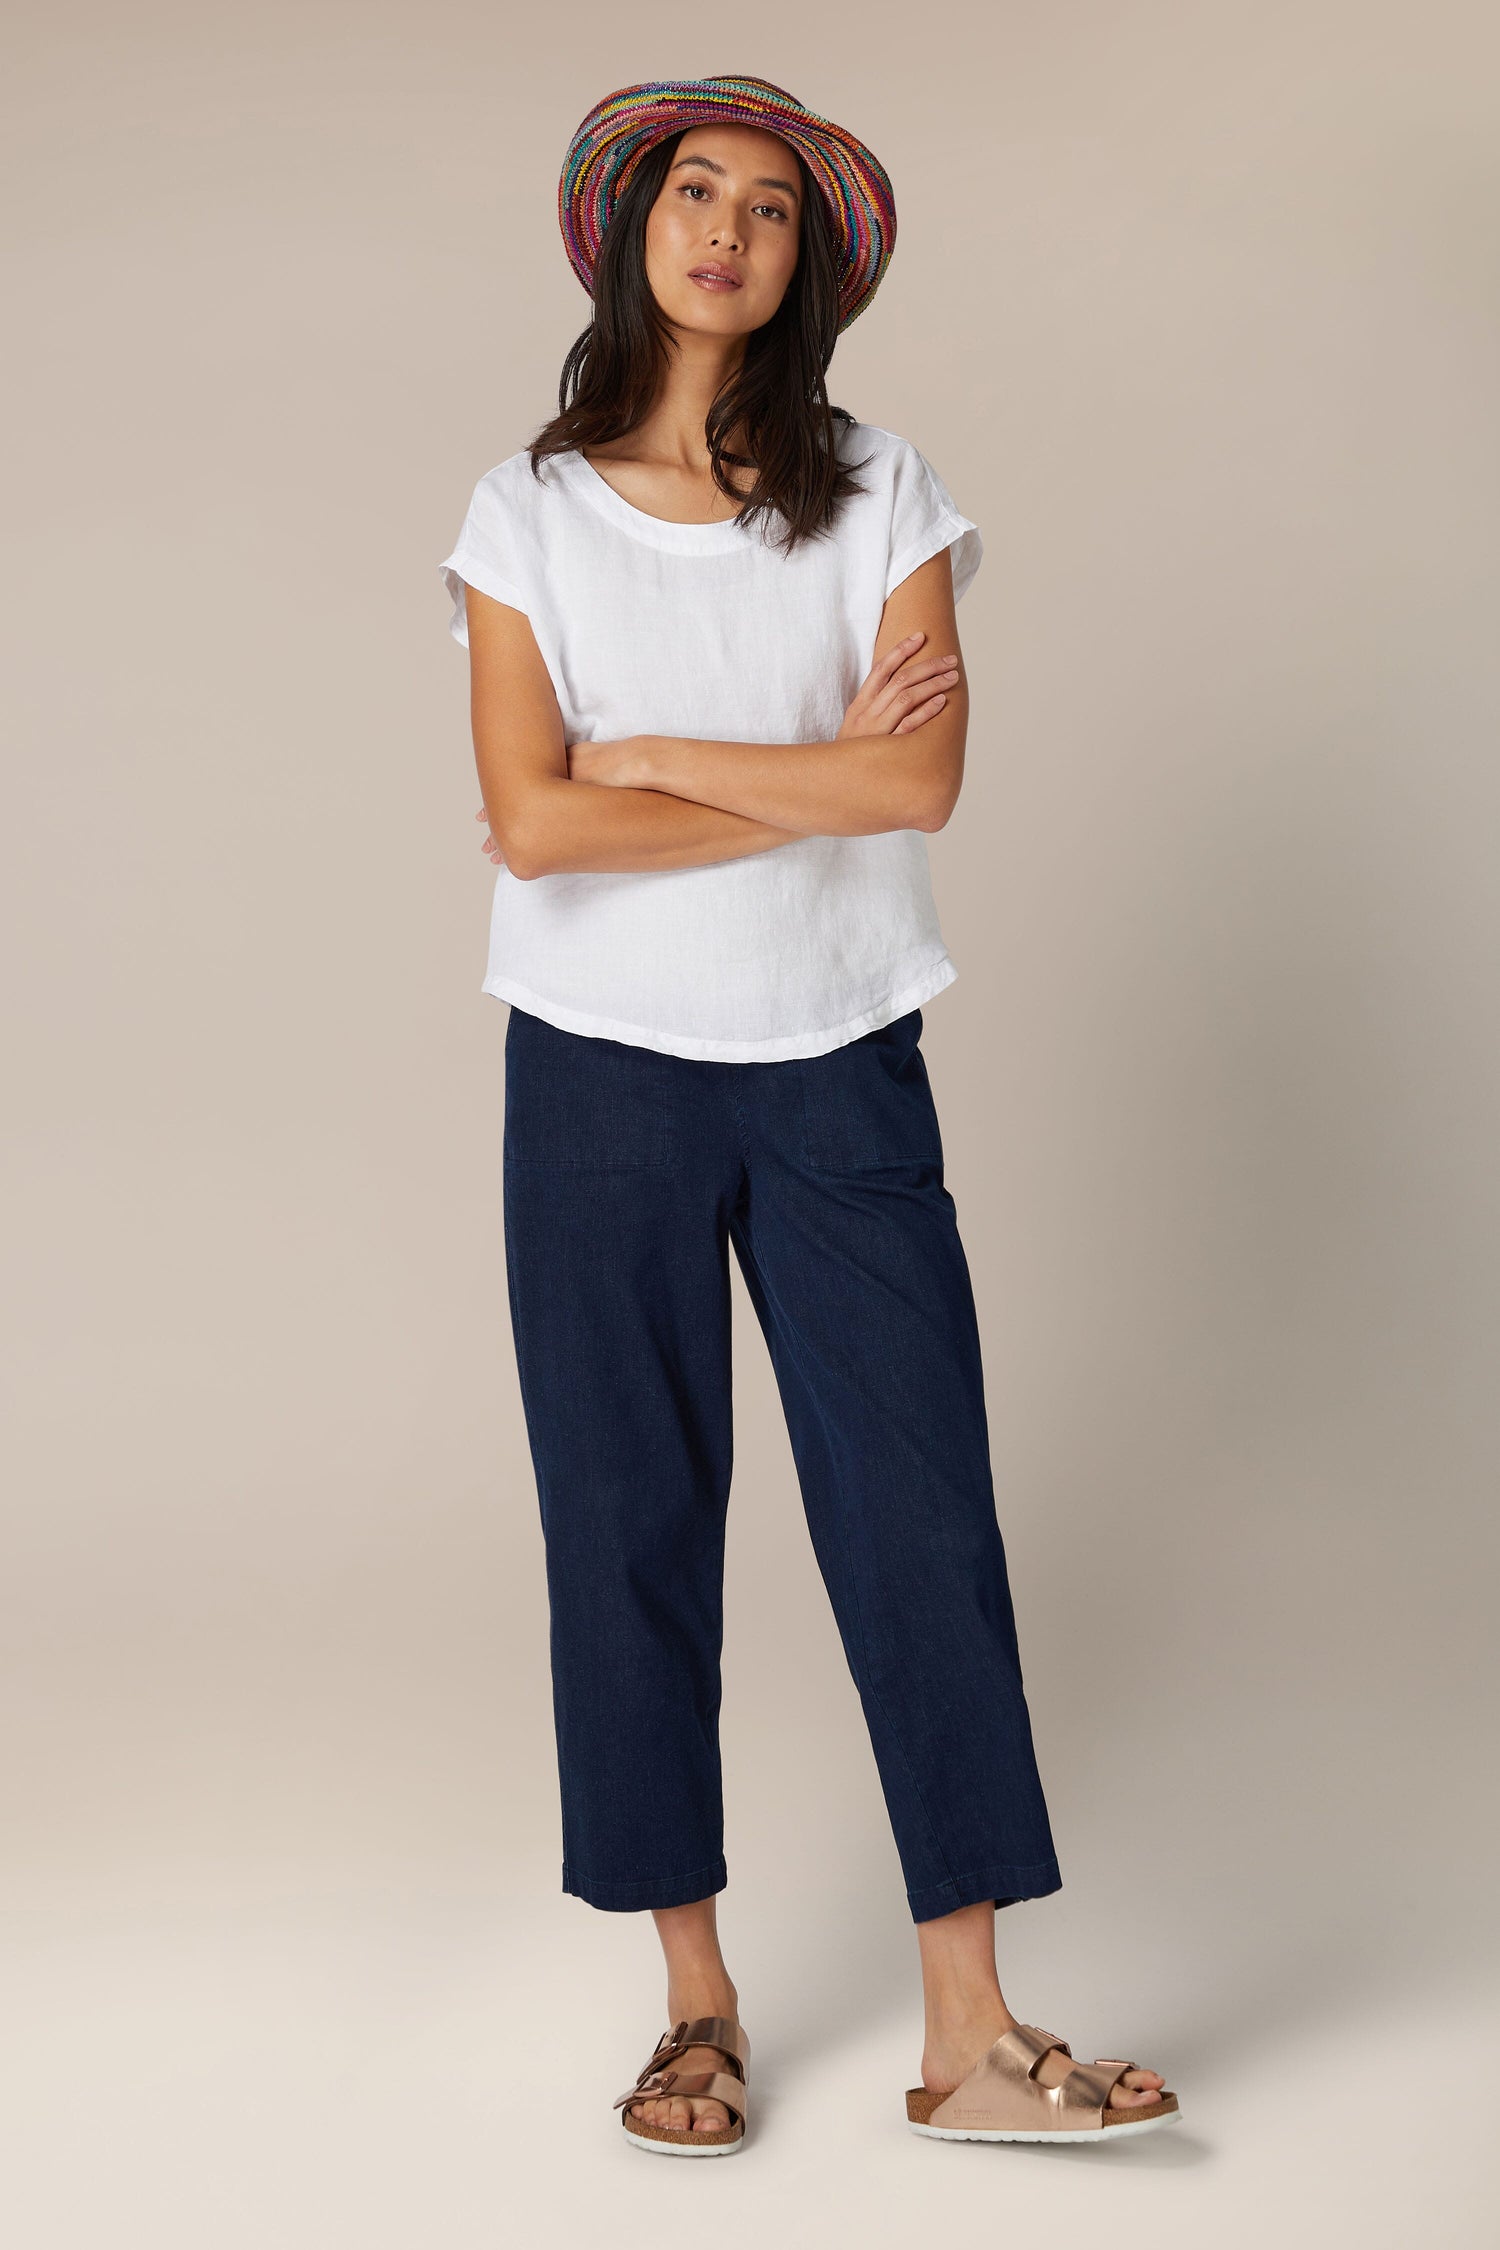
x=904, y=656
x=896, y=656
x=944, y=669
x=940, y=671
x=920, y=686
x=919, y=717
x=883, y=707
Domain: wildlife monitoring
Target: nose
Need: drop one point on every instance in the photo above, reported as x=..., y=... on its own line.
x=725, y=235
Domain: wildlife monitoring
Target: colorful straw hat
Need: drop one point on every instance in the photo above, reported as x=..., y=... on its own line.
x=617, y=131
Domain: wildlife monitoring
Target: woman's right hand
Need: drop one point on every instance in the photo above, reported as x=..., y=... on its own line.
x=492, y=850
x=886, y=705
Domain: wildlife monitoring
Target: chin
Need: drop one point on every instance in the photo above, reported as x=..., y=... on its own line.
x=711, y=319
x=712, y=316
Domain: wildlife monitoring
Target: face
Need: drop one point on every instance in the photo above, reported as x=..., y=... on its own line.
x=722, y=236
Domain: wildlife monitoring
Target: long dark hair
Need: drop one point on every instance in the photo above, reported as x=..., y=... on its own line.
x=777, y=396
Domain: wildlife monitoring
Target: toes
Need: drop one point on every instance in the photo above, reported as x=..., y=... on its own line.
x=1136, y=2087
x=676, y=2113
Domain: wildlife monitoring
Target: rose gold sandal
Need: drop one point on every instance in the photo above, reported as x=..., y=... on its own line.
x=1000, y=2100
x=660, y=2077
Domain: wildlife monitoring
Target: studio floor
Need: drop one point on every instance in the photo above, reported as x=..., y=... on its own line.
x=325, y=2070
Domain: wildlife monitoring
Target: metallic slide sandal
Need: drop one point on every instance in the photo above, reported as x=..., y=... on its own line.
x=660, y=2077
x=1000, y=2100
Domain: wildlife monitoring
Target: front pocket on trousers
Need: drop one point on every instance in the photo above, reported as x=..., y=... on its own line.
x=589, y=1105
x=868, y=1105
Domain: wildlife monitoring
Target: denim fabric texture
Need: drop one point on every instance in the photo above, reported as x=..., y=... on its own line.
x=628, y=1174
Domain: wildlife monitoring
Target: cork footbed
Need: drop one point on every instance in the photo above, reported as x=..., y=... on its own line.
x=647, y=2132
x=920, y=2105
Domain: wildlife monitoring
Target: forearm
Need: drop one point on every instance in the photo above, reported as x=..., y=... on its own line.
x=574, y=827
x=865, y=785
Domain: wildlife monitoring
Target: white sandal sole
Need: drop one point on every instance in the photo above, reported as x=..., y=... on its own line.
x=1090, y=2133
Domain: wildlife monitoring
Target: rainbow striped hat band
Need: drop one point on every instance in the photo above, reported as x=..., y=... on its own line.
x=617, y=132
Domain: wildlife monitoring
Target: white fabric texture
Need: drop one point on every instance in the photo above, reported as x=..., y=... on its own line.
x=707, y=630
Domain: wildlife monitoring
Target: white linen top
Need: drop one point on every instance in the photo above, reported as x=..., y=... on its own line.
x=704, y=629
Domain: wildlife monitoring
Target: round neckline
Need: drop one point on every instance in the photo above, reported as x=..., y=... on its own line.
x=653, y=531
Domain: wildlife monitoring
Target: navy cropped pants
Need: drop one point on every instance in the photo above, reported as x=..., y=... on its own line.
x=627, y=1175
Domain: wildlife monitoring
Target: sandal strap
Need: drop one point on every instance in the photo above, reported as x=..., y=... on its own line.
x=1002, y=2093
x=709, y=2085
x=1087, y=2089
x=720, y=2032
x=660, y=2075
x=1029, y=2044
x=700, y=2031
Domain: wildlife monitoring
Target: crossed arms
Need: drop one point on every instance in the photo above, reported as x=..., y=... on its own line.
x=663, y=801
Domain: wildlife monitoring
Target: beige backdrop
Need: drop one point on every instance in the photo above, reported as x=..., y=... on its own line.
x=1195, y=309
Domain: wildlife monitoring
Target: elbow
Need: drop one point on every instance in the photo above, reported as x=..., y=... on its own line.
x=934, y=808
x=522, y=851
x=537, y=838
x=530, y=833
x=935, y=811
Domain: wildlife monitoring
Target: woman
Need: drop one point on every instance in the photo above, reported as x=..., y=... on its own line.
x=717, y=701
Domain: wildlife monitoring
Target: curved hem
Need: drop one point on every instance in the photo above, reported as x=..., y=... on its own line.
x=934, y=979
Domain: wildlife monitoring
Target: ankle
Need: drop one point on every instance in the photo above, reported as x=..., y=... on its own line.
x=709, y=1995
x=961, y=2017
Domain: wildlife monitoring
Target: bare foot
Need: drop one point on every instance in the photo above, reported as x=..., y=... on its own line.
x=697, y=2113
x=956, y=2044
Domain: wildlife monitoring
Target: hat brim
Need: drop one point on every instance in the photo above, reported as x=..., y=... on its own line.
x=618, y=130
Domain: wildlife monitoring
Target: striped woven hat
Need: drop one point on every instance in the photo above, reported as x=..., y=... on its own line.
x=617, y=131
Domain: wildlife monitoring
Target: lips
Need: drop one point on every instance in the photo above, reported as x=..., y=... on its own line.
x=714, y=276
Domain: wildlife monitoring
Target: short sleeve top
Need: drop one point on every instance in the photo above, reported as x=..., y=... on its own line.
x=709, y=630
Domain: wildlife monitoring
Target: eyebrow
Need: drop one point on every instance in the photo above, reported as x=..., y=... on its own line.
x=709, y=165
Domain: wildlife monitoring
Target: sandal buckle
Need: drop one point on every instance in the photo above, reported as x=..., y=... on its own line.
x=666, y=2045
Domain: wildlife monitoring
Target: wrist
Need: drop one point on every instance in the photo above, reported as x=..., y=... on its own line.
x=644, y=765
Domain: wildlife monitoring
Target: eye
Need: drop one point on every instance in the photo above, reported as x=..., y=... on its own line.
x=696, y=188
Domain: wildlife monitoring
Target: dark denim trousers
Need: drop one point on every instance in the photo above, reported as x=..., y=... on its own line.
x=628, y=1174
